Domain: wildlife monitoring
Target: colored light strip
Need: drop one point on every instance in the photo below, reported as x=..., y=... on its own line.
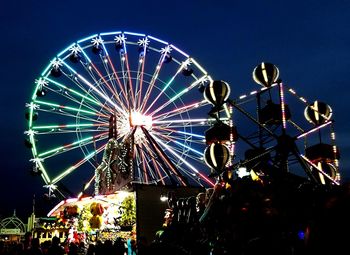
x=136, y=34
x=68, y=126
x=320, y=170
x=71, y=145
x=314, y=129
x=73, y=91
x=165, y=87
x=178, y=50
x=65, y=50
x=72, y=168
x=184, y=161
x=111, y=33
x=178, y=95
x=95, y=89
x=68, y=108
x=158, y=40
x=283, y=109
x=87, y=38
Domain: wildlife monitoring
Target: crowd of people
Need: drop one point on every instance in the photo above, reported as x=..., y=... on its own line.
x=287, y=217
x=32, y=246
x=243, y=217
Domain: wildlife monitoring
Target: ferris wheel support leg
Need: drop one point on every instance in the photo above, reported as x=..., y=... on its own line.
x=162, y=155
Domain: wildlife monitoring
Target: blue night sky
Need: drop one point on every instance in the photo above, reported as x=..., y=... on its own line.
x=308, y=40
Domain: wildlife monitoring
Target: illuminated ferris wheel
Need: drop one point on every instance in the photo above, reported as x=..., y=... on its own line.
x=113, y=95
x=282, y=135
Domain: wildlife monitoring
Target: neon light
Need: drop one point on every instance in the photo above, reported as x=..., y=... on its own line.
x=179, y=121
x=69, y=126
x=182, y=109
x=67, y=107
x=85, y=55
x=320, y=170
x=263, y=69
x=73, y=91
x=66, y=49
x=191, y=134
x=165, y=87
x=72, y=168
x=65, y=146
x=158, y=40
x=55, y=208
x=111, y=33
x=179, y=95
x=314, y=129
x=136, y=34
x=47, y=68
x=87, y=38
x=284, y=123
x=212, y=154
x=178, y=50
x=198, y=66
x=184, y=161
x=101, y=94
x=200, y=153
x=319, y=165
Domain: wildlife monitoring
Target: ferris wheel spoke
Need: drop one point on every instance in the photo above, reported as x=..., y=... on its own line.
x=192, y=176
x=78, y=164
x=180, y=94
x=153, y=79
x=80, y=104
x=69, y=126
x=69, y=108
x=127, y=76
x=146, y=176
x=167, y=147
x=139, y=77
x=92, y=67
x=91, y=93
x=115, y=74
x=88, y=68
x=94, y=88
x=177, y=123
x=72, y=146
x=74, y=92
x=73, y=116
x=166, y=86
x=86, y=186
x=152, y=163
x=183, y=146
x=180, y=110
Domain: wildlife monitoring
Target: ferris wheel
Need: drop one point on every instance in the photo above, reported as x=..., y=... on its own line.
x=282, y=134
x=124, y=91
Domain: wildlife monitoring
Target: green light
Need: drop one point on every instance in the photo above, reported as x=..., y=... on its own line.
x=65, y=107
x=62, y=147
x=73, y=91
x=62, y=126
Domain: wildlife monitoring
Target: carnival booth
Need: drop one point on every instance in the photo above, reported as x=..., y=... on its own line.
x=97, y=217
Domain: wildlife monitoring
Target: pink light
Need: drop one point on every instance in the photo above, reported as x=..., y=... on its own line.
x=314, y=129
x=283, y=109
x=117, y=77
x=154, y=77
x=141, y=76
x=318, y=169
x=129, y=80
x=197, y=104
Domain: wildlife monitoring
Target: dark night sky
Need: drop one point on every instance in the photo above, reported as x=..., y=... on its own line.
x=308, y=40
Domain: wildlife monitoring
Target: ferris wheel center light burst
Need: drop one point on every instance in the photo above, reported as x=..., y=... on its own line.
x=138, y=119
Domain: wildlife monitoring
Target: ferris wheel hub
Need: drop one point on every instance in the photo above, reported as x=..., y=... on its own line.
x=137, y=119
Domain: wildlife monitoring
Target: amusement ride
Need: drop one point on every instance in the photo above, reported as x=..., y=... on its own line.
x=119, y=107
